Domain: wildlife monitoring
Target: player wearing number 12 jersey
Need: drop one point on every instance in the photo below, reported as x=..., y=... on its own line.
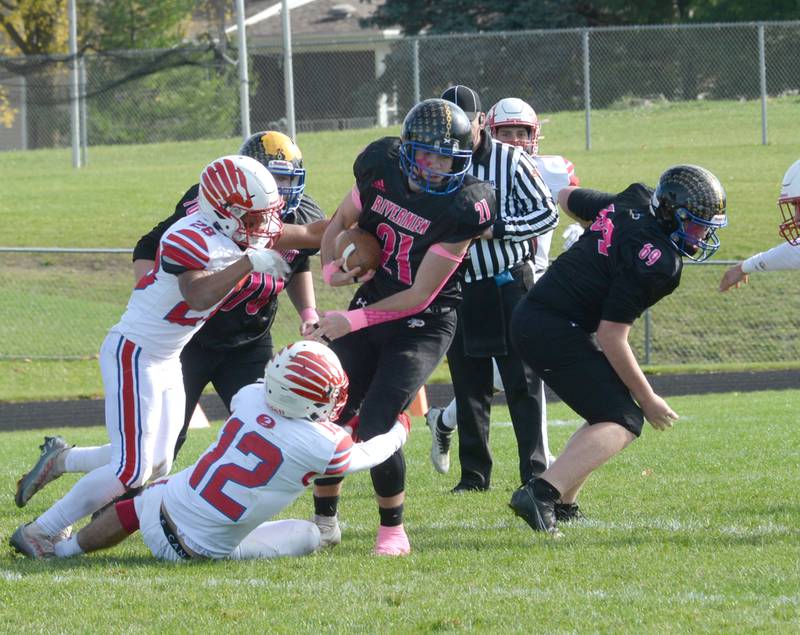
x=414, y=195
x=278, y=438
x=199, y=263
x=627, y=260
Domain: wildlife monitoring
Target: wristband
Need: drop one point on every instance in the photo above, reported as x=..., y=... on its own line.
x=328, y=271
x=309, y=314
x=357, y=319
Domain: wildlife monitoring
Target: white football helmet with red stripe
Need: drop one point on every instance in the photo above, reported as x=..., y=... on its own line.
x=240, y=196
x=789, y=204
x=512, y=111
x=305, y=380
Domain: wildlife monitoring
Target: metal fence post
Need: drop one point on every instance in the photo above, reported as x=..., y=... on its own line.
x=415, y=66
x=244, y=79
x=587, y=91
x=74, y=111
x=762, y=72
x=82, y=106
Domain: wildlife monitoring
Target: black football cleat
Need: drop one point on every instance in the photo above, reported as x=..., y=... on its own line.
x=539, y=514
x=568, y=512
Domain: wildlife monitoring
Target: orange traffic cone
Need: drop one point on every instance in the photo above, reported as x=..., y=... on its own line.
x=419, y=406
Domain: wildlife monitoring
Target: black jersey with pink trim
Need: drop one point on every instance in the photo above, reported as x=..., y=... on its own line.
x=623, y=264
x=408, y=223
x=247, y=315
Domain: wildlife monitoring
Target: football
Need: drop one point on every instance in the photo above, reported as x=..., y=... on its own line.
x=359, y=249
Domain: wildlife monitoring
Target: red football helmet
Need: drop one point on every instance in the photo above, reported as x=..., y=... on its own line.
x=789, y=204
x=512, y=111
x=239, y=196
x=305, y=380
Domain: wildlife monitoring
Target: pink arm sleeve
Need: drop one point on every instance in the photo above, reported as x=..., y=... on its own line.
x=362, y=318
x=355, y=196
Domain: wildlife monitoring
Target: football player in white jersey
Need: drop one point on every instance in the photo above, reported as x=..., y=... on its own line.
x=513, y=121
x=280, y=436
x=783, y=256
x=200, y=261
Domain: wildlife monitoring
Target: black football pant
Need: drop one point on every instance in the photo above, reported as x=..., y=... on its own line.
x=473, y=388
x=228, y=370
x=387, y=364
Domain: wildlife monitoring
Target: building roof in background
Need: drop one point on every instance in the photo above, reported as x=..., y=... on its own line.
x=312, y=19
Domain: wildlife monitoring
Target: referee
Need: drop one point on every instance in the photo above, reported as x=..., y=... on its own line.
x=498, y=273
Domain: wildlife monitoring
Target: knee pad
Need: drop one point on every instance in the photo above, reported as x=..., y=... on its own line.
x=389, y=478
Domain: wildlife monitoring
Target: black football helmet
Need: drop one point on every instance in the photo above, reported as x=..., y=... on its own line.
x=281, y=156
x=436, y=125
x=689, y=203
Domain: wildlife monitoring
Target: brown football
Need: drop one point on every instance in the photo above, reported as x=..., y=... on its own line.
x=359, y=248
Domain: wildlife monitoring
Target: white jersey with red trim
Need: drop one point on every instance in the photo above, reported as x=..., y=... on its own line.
x=158, y=318
x=557, y=172
x=260, y=463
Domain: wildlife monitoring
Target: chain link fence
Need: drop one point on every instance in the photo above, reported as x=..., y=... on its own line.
x=59, y=305
x=189, y=94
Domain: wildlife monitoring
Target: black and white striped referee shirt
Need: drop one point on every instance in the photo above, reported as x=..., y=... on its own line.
x=525, y=208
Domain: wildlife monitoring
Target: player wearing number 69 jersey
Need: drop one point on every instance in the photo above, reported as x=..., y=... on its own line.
x=200, y=262
x=627, y=260
x=414, y=195
x=279, y=437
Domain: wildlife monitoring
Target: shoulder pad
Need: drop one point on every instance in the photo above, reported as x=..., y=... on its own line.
x=374, y=159
x=308, y=211
x=475, y=204
x=635, y=196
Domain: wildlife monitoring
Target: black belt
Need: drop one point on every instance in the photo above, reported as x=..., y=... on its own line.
x=171, y=534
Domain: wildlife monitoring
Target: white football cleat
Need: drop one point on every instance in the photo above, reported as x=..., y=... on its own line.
x=440, y=443
x=330, y=534
x=47, y=468
x=31, y=541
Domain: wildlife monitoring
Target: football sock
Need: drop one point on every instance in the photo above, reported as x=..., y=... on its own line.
x=68, y=548
x=90, y=493
x=86, y=459
x=545, y=491
x=448, y=419
x=326, y=505
x=392, y=516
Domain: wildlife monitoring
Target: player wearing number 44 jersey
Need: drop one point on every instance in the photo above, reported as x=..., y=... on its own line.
x=628, y=260
x=200, y=262
x=414, y=195
x=279, y=437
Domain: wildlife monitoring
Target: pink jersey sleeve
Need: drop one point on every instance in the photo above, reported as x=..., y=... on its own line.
x=362, y=318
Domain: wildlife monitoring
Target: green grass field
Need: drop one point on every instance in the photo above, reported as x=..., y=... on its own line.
x=691, y=530
x=126, y=189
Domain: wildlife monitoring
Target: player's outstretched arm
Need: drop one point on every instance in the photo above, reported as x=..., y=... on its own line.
x=368, y=454
x=612, y=338
x=733, y=277
x=302, y=236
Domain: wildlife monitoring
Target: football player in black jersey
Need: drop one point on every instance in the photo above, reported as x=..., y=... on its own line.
x=233, y=347
x=627, y=260
x=415, y=196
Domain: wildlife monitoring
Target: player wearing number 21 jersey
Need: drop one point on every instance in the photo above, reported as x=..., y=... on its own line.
x=414, y=195
x=200, y=261
x=279, y=437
